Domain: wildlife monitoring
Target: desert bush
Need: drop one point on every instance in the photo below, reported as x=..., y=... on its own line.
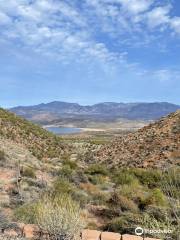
x=4, y=222
x=62, y=186
x=99, y=198
x=148, y=177
x=108, y=213
x=170, y=183
x=60, y=217
x=28, y=172
x=35, y=183
x=72, y=164
x=171, y=188
x=122, y=203
x=123, y=177
x=26, y=213
x=149, y=222
x=158, y=197
x=159, y=213
x=65, y=172
x=79, y=177
x=124, y=224
x=132, y=190
x=95, y=195
x=97, y=179
x=97, y=169
x=154, y=197
x=81, y=197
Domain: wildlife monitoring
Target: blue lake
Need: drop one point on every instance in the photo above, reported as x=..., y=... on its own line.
x=63, y=130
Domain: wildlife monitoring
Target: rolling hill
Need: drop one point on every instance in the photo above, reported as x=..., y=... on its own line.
x=155, y=145
x=37, y=140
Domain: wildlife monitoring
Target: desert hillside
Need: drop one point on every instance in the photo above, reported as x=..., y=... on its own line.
x=155, y=145
x=35, y=164
x=38, y=141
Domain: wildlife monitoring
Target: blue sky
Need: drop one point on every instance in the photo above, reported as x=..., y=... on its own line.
x=89, y=51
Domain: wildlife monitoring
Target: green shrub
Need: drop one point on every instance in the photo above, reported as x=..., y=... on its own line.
x=97, y=169
x=159, y=213
x=154, y=197
x=79, y=177
x=66, y=172
x=123, y=177
x=124, y=224
x=71, y=164
x=158, y=197
x=149, y=222
x=97, y=179
x=100, y=198
x=28, y=172
x=151, y=178
x=81, y=197
x=170, y=183
x=62, y=186
x=26, y=213
x=122, y=203
x=131, y=191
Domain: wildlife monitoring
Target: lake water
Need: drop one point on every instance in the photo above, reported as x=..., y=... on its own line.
x=63, y=130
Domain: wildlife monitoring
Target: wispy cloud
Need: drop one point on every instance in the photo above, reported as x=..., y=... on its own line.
x=73, y=30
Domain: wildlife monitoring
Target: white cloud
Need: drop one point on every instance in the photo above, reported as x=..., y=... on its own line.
x=54, y=29
x=163, y=75
x=175, y=24
x=158, y=16
x=135, y=6
x=4, y=19
x=64, y=30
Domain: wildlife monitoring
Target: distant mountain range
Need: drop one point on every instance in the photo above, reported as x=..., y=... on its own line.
x=108, y=111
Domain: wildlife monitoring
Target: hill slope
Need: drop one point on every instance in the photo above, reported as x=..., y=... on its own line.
x=156, y=145
x=104, y=111
x=37, y=140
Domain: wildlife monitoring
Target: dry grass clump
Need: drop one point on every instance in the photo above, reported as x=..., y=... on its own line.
x=60, y=217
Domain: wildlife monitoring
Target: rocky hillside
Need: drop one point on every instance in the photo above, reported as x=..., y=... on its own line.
x=156, y=145
x=118, y=200
x=37, y=140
